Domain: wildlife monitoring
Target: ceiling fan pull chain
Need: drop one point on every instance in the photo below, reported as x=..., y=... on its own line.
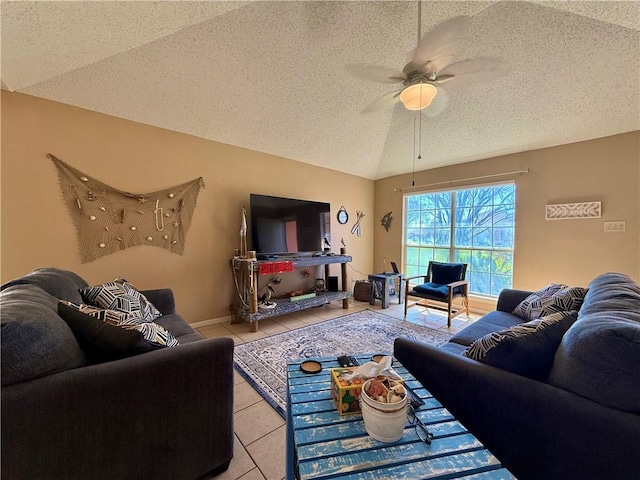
x=420, y=132
x=420, y=129
x=413, y=170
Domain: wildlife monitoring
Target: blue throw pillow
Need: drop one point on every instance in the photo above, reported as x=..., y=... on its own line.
x=526, y=349
x=445, y=273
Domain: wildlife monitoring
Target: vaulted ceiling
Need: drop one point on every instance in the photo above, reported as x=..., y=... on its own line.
x=271, y=76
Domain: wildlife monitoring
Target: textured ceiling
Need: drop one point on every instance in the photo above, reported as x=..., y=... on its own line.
x=271, y=77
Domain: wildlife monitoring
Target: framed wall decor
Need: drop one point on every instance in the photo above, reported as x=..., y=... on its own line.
x=343, y=216
x=566, y=211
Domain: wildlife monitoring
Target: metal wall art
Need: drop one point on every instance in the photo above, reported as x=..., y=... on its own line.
x=357, y=229
x=565, y=211
x=386, y=221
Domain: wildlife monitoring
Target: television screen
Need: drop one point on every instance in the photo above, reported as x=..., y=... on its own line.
x=287, y=225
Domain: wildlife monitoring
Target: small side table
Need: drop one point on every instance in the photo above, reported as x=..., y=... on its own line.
x=384, y=288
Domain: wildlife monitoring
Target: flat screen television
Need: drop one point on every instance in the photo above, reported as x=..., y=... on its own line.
x=288, y=226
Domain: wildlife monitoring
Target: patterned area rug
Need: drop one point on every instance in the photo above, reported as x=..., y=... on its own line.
x=263, y=362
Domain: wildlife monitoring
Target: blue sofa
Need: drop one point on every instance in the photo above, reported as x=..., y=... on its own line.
x=581, y=420
x=165, y=414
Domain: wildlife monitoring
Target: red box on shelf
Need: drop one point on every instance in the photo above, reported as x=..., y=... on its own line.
x=271, y=268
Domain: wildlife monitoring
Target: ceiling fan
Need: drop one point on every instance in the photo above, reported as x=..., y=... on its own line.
x=429, y=67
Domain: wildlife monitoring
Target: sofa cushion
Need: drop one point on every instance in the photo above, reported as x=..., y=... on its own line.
x=35, y=341
x=613, y=292
x=150, y=331
x=433, y=289
x=599, y=356
x=453, y=348
x=120, y=295
x=103, y=341
x=490, y=322
x=526, y=349
x=599, y=359
x=553, y=298
x=62, y=284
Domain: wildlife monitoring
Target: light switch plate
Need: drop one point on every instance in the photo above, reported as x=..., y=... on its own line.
x=618, y=226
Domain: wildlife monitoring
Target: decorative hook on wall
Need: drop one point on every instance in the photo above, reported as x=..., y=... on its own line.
x=357, y=229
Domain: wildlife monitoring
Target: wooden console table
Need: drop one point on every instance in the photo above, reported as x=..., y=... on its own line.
x=247, y=271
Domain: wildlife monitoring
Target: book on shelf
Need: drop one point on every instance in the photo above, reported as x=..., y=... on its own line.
x=304, y=296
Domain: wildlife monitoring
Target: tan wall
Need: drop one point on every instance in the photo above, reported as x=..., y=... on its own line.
x=37, y=230
x=568, y=251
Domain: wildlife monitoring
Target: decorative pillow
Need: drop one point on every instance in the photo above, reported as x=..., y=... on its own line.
x=103, y=341
x=151, y=332
x=526, y=349
x=445, y=273
x=556, y=297
x=122, y=296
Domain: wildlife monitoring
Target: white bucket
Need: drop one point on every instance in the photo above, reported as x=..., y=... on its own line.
x=383, y=421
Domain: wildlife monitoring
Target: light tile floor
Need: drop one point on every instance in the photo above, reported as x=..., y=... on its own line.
x=259, y=451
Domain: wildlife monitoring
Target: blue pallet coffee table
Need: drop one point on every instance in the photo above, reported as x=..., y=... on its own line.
x=323, y=444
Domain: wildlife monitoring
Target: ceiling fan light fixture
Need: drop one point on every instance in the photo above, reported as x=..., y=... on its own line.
x=418, y=96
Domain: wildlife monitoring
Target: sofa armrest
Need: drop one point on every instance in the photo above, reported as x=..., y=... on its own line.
x=163, y=414
x=535, y=429
x=509, y=299
x=162, y=299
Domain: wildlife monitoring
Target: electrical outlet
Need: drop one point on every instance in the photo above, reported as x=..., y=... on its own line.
x=618, y=226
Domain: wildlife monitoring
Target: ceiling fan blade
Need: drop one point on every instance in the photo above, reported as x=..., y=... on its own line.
x=438, y=104
x=383, y=102
x=474, y=70
x=375, y=73
x=443, y=78
x=437, y=47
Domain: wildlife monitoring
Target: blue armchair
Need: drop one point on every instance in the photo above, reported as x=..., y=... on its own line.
x=443, y=283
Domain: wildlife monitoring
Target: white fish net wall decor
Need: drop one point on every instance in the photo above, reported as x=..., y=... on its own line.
x=108, y=220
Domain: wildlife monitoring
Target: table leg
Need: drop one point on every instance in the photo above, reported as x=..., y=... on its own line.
x=290, y=458
x=385, y=293
x=372, y=292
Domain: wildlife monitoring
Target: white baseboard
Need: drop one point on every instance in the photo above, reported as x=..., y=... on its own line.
x=212, y=321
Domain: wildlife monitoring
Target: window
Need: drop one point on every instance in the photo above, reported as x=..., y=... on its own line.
x=475, y=226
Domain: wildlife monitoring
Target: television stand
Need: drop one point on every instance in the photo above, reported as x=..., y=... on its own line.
x=246, y=272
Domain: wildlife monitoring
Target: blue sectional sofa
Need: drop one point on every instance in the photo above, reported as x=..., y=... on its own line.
x=580, y=419
x=165, y=414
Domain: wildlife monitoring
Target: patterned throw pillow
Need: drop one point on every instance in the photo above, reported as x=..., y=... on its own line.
x=556, y=297
x=526, y=349
x=151, y=332
x=122, y=296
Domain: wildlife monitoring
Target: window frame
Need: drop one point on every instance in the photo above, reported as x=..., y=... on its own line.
x=452, y=249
